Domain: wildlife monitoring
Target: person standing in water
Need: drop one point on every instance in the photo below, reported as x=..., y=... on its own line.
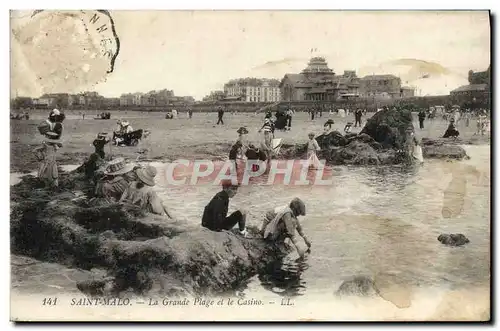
x=312, y=149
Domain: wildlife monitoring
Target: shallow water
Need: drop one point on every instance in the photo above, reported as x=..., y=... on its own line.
x=370, y=221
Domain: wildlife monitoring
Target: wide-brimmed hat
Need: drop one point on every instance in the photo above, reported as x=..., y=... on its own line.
x=147, y=175
x=55, y=111
x=102, y=135
x=125, y=123
x=242, y=130
x=330, y=121
x=118, y=166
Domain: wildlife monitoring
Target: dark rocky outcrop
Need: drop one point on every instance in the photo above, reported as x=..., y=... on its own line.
x=388, y=127
x=442, y=149
x=453, y=239
x=381, y=142
x=140, y=252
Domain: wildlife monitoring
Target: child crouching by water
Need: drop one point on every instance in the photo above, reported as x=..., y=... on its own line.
x=312, y=149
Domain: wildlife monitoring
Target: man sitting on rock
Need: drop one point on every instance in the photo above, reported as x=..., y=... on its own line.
x=215, y=214
x=117, y=177
x=281, y=223
x=140, y=192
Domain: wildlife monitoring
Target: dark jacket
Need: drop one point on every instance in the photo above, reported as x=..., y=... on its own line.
x=216, y=211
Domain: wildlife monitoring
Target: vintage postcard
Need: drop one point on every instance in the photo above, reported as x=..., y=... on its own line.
x=250, y=165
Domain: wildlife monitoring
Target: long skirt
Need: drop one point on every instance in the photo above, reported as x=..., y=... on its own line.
x=313, y=161
x=47, y=171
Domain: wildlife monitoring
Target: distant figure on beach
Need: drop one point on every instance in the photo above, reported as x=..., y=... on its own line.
x=468, y=117
x=421, y=118
x=83, y=115
x=289, y=114
x=190, y=113
x=357, y=117
x=220, y=114
x=140, y=193
x=215, y=213
x=282, y=223
x=327, y=127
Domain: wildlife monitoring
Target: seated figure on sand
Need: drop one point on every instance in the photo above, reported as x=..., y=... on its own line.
x=140, y=193
x=116, y=178
x=282, y=223
x=215, y=214
x=451, y=131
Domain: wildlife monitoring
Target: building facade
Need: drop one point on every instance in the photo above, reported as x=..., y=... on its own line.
x=253, y=90
x=318, y=82
x=381, y=86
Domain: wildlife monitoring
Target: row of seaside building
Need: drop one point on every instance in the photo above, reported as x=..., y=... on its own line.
x=316, y=82
x=94, y=100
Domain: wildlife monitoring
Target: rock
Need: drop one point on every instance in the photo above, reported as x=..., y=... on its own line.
x=359, y=153
x=441, y=151
x=139, y=252
x=332, y=139
x=388, y=127
x=456, y=239
x=358, y=285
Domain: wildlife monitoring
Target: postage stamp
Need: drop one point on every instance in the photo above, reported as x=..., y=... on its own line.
x=250, y=166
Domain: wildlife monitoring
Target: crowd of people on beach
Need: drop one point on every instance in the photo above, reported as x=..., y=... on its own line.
x=118, y=181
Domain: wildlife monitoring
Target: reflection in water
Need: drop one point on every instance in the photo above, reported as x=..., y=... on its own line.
x=284, y=277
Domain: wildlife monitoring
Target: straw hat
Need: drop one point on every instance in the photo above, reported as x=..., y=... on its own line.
x=56, y=111
x=125, y=123
x=147, y=175
x=102, y=135
x=118, y=166
x=330, y=121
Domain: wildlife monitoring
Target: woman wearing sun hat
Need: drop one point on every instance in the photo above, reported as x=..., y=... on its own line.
x=118, y=174
x=51, y=129
x=140, y=193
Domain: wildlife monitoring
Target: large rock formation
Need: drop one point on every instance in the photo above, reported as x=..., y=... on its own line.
x=141, y=252
x=388, y=127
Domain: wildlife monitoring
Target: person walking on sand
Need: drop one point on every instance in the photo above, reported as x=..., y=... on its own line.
x=357, y=117
x=421, y=118
x=140, y=193
x=215, y=213
x=220, y=114
x=282, y=223
x=312, y=149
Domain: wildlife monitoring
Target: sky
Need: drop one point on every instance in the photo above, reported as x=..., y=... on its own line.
x=195, y=52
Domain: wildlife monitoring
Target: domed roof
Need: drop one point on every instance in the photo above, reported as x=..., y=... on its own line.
x=317, y=65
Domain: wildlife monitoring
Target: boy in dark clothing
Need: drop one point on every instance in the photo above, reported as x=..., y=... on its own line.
x=215, y=214
x=99, y=144
x=421, y=118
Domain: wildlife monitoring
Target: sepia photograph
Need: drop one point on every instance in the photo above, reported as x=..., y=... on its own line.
x=250, y=165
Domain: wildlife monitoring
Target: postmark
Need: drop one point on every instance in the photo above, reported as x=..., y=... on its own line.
x=70, y=49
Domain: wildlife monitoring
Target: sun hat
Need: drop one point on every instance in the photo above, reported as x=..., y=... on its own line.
x=242, y=130
x=147, y=175
x=330, y=121
x=56, y=111
x=102, y=135
x=118, y=166
x=125, y=123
